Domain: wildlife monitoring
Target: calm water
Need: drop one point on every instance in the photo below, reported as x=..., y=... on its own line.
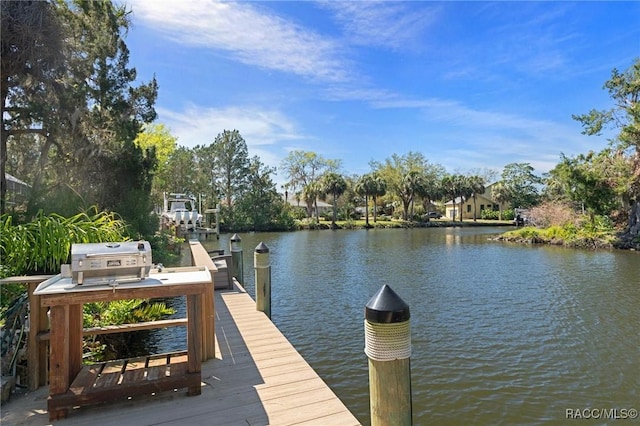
x=501, y=333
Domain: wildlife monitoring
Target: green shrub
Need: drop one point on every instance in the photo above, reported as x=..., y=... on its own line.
x=558, y=233
x=119, y=345
x=489, y=214
x=528, y=232
x=599, y=226
x=507, y=214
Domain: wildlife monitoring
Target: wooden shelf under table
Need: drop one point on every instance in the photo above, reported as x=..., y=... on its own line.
x=121, y=379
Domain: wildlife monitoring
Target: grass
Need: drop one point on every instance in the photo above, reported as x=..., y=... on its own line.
x=588, y=236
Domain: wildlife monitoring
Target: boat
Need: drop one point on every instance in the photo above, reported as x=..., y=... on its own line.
x=180, y=211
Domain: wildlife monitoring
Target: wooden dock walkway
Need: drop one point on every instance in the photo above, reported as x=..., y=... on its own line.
x=256, y=378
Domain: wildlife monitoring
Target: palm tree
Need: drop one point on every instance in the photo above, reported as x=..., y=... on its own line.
x=501, y=193
x=476, y=184
x=407, y=190
x=464, y=190
x=449, y=187
x=365, y=187
x=310, y=193
x=334, y=184
x=427, y=190
x=379, y=189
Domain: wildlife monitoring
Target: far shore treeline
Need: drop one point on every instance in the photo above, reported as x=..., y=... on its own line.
x=79, y=133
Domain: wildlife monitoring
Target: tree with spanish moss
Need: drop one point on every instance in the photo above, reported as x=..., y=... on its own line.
x=624, y=117
x=303, y=169
x=87, y=111
x=402, y=175
x=31, y=43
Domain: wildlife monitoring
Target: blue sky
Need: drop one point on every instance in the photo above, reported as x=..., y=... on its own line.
x=471, y=85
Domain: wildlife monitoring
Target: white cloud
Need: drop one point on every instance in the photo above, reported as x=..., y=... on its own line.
x=247, y=34
x=468, y=137
x=381, y=23
x=262, y=129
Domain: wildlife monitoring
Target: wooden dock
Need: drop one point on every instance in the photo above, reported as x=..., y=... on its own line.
x=256, y=378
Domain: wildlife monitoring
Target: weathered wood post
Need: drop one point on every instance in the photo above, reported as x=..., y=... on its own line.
x=262, y=266
x=237, y=267
x=388, y=347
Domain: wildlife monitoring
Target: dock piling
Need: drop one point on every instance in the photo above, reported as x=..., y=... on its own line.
x=235, y=246
x=262, y=267
x=388, y=347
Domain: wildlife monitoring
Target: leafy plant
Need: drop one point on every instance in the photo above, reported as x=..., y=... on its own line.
x=42, y=245
x=119, y=345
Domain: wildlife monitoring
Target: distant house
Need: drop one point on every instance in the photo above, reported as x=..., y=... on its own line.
x=17, y=190
x=483, y=202
x=301, y=204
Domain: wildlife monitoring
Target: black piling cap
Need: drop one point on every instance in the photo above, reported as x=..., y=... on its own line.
x=386, y=307
x=262, y=248
x=235, y=238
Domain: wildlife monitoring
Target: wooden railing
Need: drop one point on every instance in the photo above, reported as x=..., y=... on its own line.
x=37, y=349
x=39, y=335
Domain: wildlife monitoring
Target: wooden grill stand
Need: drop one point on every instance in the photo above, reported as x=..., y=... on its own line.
x=71, y=384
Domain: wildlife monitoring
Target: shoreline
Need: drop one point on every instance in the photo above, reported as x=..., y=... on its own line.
x=401, y=224
x=619, y=242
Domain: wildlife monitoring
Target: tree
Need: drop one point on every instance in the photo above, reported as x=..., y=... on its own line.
x=87, y=111
x=455, y=186
x=407, y=191
x=103, y=111
x=204, y=184
x=231, y=164
x=430, y=188
x=371, y=185
x=594, y=182
x=365, y=187
x=178, y=173
x=501, y=194
x=158, y=138
x=303, y=170
x=476, y=184
x=522, y=184
x=30, y=46
x=624, y=89
x=466, y=191
x=450, y=189
x=259, y=207
x=378, y=189
x=334, y=184
x=402, y=174
x=310, y=194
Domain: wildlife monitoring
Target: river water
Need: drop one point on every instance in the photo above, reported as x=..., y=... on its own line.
x=501, y=333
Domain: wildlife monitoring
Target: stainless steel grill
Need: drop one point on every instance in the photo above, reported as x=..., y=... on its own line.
x=109, y=263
